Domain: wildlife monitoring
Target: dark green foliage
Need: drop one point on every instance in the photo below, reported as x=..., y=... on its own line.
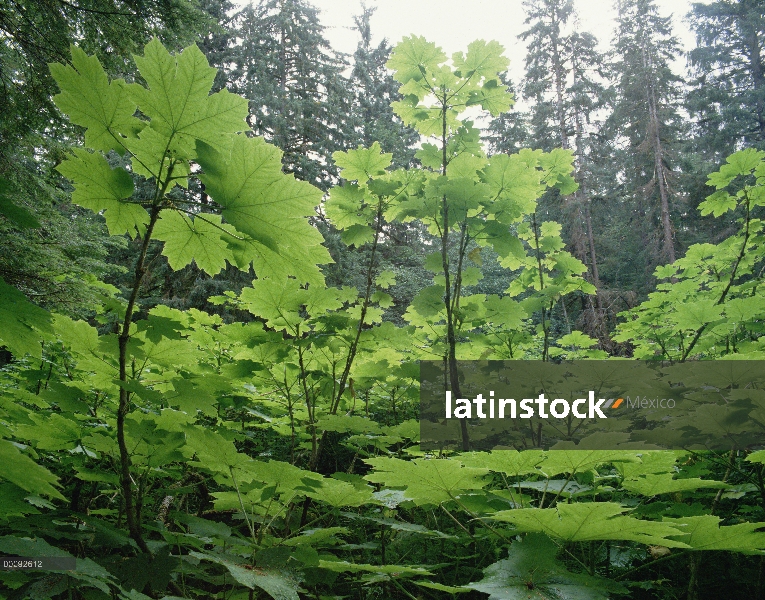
x=293, y=80
x=727, y=96
x=646, y=114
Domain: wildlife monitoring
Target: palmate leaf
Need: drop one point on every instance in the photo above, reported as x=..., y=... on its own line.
x=178, y=99
x=514, y=186
x=705, y=533
x=269, y=207
x=492, y=96
x=413, y=55
x=738, y=163
x=363, y=163
x=590, y=521
x=578, y=461
x=201, y=240
x=341, y=493
x=510, y=462
x=484, y=59
x=531, y=571
x=87, y=97
x=349, y=205
x=23, y=326
x=51, y=432
x=427, y=481
x=103, y=189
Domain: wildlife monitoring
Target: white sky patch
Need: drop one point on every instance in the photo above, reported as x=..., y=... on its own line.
x=452, y=26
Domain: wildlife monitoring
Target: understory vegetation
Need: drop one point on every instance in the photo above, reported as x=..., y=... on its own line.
x=210, y=323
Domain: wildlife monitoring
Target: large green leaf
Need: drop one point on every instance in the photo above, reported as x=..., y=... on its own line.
x=178, y=99
x=532, y=571
x=103, y=189
x=589, y=521
x=427, y=481
x=577, y=461
x=483, y=59
x=269, y=208
x=201, y=240
x=412, y=56
x=363, y=163
x=705, y=533
x=87, y=97
x=510, y=462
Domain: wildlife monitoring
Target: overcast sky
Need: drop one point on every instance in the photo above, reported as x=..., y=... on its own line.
x=453, y=26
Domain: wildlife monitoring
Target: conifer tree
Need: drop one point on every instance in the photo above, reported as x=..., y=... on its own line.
x=728, y=94
x=294, y=83
x=546, y=70
x=646, y=114
x=373, y=91
x=564, y=83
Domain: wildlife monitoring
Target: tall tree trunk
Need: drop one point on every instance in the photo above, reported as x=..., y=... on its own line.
x=559, y=76
x=758, y=77
x=654, y=131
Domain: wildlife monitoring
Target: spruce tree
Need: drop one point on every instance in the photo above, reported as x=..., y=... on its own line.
x=728, y=89
x=294, y=82
x=373, y=91
x=546, y=71
x=564, y=83
x=646, y=115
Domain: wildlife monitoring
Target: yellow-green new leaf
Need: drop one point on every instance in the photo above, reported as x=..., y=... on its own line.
x=484, y=59
x=412, y=56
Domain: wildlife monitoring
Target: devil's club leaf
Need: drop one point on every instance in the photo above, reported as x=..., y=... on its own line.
x=590, y=521
x=269, y=207
x=101, y=188
x=363, y=163
x=705, y=533
x=531, y=571
x=413, y=56
x=87, y=97
x=178, y=99
x=427, y=481
x=201, y=240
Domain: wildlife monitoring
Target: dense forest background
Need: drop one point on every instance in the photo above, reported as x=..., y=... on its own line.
x=208, y=365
